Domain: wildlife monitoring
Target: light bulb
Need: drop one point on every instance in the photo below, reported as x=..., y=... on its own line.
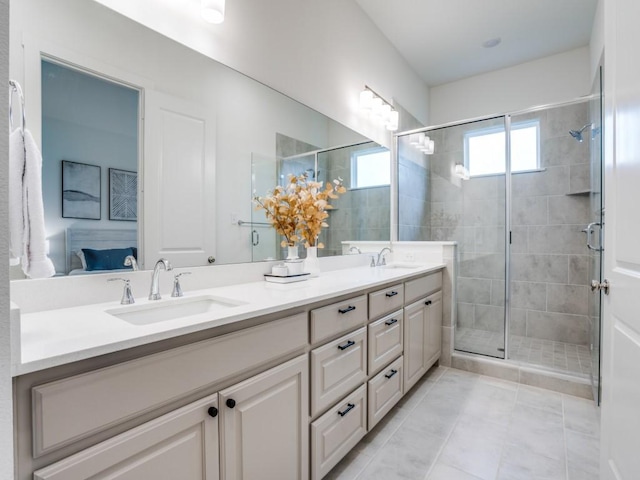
x=385, y=113
x=376, y=107
x=393, y=121
x=366, y=98
x=213, y=10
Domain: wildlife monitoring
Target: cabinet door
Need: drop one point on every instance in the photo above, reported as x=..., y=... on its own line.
x=415, y=343
x=182, y=444
x=434, y=333
x=265, y=425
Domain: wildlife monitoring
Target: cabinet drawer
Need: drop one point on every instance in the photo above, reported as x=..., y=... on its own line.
x=337, y=318
x=421, y=287
x=384, y=340
x=180, y=444
x=103, y=398
x=336, y=432
x=385, y=301
x=383, y=391
x=337, y=368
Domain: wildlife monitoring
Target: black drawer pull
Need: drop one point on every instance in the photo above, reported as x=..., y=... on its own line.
x=428, y=302
x=391, y=294
x=350, y=406
x=350, y=308
x=391, y=322
x=231, y=403
x=350, y=343
x=213, y=411
x=393, y=372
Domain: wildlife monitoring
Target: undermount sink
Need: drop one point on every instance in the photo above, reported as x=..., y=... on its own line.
x=172, y=309
x=401, y=265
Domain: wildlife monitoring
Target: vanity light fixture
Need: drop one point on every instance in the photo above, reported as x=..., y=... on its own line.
x=462, y=172
x=422, y=142
x=378, y=109
x=213, y=10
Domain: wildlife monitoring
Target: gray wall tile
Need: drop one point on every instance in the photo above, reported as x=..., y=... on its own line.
x=568, y=299
x=529, y=211
x=474, y=290
x=580, y=178
x=529, y=295
x=552, y=181
x=540, y=268
x=565, y=239
x=570, y=210
x=489, y=318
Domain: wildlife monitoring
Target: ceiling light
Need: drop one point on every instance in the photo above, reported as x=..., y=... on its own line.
x=213, y=10
x=492, y=42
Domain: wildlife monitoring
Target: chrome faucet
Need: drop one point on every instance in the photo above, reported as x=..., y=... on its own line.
x=154, y=293
x=130, y=261
x=381, y=259
x=354, y=249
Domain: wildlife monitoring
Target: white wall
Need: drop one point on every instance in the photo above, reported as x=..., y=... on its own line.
x=6, y=405
x=552, y=79
x=321, y=53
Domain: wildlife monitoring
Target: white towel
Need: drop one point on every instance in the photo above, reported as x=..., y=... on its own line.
x=29, y=209
x=16, y=217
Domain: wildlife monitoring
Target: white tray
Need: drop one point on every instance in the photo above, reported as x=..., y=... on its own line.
x=286, y=279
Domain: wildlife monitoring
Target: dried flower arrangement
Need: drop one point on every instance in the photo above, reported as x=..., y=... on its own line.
x=298, y=211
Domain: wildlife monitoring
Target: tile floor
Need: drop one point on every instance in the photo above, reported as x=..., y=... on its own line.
x=456, y=425
x=560, y=356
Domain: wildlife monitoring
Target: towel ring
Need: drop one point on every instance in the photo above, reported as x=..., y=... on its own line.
x=15, y=87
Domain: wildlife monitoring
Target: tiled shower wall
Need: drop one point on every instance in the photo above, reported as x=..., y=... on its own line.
x=550, y=259
x=549, y=210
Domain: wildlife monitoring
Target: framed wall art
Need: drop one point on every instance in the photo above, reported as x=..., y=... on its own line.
x=123, y=195
x=81, y=190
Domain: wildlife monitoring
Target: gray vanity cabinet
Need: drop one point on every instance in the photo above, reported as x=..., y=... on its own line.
x=181, y=444
x=264, y=423
x=422, y=337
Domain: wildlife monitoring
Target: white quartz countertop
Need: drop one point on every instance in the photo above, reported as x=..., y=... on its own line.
x=57, y=337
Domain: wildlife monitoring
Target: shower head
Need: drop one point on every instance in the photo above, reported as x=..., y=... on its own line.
x=577, y=134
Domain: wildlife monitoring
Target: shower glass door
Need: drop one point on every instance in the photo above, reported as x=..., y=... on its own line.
x=458, y=194
x=549, y=275
x=596, y=209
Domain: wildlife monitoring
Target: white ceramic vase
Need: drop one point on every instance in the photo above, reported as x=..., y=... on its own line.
x=311, y=263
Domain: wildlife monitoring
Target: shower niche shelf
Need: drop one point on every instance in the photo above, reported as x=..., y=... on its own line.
x=579, y=193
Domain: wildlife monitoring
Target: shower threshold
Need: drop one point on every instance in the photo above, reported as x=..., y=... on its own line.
x=566, y=358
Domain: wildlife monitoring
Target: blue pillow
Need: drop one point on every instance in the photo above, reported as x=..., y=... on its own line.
x=112, y=259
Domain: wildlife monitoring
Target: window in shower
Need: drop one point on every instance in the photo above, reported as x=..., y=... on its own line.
x=484, y=152
x=371, y=168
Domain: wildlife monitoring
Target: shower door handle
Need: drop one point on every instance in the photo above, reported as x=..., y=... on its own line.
x=255, y=238
x=600, y=286
x=589, y=231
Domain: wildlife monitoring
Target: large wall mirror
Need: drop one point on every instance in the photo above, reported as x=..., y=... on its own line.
x=150, y=145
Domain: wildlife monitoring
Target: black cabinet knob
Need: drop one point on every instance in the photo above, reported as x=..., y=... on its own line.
x=428, y=302
x=231, y=403
x=213, y=411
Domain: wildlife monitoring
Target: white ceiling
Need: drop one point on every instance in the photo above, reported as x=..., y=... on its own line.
x=442, y=39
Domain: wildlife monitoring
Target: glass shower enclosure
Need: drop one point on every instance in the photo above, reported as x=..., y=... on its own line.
x=517, y=193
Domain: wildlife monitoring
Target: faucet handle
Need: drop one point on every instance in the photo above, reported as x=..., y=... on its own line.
x=127, y=295
x=177, y=289
x=373, y=261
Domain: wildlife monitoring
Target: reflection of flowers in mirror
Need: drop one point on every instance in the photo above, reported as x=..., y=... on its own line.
x=298, y=210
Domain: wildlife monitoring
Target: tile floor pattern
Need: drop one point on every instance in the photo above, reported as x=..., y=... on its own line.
x=456, y=425
x=560, y=356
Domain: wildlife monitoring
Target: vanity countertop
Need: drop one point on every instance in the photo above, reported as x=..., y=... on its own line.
x=57, y=337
